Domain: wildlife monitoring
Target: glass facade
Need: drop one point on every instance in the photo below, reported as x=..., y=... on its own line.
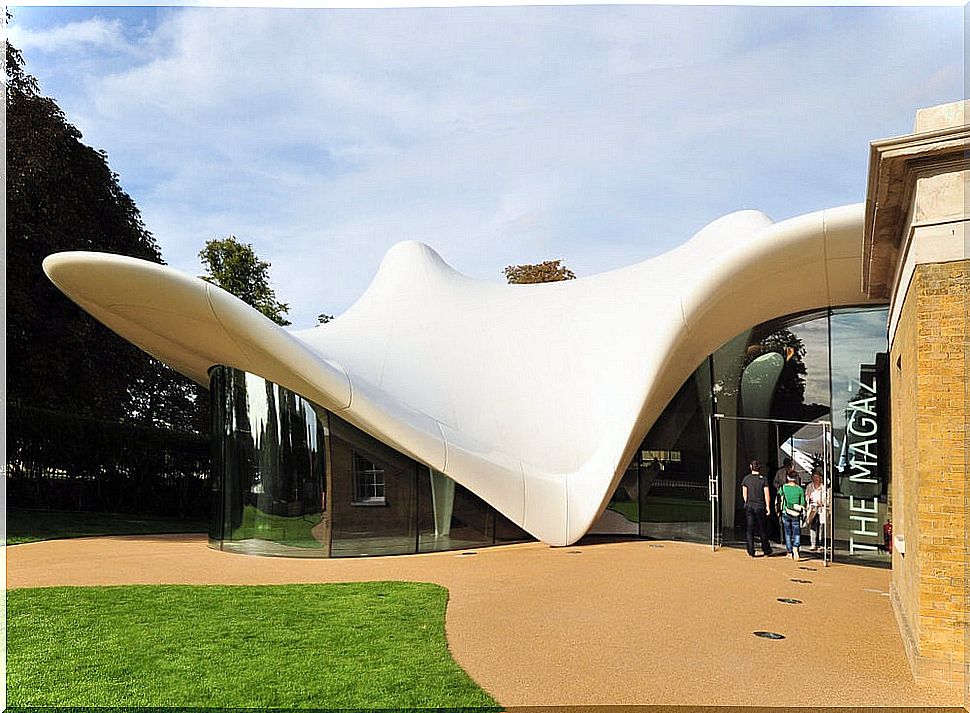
x=675, y=466
x=293, y=479
x=860, y=426
x=270, y=468
x=374, y=495
x=451, y=517
x=769, y=382
x=772, y=387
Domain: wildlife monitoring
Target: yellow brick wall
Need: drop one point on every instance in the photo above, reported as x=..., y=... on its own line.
x=904, y=491
x=930, y=494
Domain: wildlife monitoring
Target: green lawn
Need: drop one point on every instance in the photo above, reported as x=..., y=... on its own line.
x=629, y=509
x=670, y=509
x=362, y=645
x=293, y=531
x=664, y=509
x=34, y=525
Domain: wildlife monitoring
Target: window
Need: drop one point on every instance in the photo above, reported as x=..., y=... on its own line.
x=662, y=455
x=368, y=481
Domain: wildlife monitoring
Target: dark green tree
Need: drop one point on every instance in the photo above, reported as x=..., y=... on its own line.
x=548, y=271
x=234, y=267
x=790, y=391
x=788, y=401
x=61, y=195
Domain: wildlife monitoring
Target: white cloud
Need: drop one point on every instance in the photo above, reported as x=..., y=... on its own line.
x=600, y=135
x=85, y=35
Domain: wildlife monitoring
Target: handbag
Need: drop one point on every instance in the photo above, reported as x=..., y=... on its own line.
x=793, y=509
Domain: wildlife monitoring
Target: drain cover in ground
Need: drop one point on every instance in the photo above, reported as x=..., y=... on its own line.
x=768, y=635
x=574, y=552
x=789, y=600
x=466, y=554
x=800, y=581
x=656, y=545
x=809, y=569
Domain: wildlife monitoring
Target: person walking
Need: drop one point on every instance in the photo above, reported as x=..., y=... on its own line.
x=817, y=510
x=792, y=508
x=777, y=532
x=781, y=475
x=754, y=492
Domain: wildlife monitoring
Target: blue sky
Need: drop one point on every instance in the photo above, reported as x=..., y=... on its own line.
x=602, y=135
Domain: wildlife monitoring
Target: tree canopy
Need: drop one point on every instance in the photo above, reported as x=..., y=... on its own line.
x=234, y=267
x=548, y=271
x=61, y=195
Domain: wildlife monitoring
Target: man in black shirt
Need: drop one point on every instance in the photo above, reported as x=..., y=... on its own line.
x=754, y=491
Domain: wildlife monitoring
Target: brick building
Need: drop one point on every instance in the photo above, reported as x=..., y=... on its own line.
x=916, y=257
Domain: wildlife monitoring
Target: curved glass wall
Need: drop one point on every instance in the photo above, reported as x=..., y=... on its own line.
x=270, y=468
x=292, y=479
x=821, y=366
x=775, y=384
x=675, y=466
x=778, y=373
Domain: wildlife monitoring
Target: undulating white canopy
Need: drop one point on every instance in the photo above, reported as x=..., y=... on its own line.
x=534, y=397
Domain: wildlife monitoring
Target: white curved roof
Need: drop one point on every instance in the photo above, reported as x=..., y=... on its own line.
x=534, y=397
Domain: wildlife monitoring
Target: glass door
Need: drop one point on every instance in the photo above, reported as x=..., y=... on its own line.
x=714, y=484
x=805, y=447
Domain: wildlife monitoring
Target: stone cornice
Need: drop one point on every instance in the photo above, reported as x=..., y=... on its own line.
x=894, y=166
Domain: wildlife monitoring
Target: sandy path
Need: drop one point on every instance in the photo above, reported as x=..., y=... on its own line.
x=620, y=623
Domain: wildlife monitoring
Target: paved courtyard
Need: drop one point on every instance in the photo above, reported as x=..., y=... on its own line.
x=632, y=622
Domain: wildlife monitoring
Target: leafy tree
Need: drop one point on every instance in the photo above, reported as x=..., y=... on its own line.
x=548, y=271
x=790, y=390
x=788, y=401
x=93, y=422
x=61, y=195
x=234, y=267
x=163, y=398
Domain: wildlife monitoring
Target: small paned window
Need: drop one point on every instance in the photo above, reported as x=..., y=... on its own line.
x=368, y=481
x=661, y=455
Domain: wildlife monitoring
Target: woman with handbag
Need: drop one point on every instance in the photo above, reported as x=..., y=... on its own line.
x=792, y=508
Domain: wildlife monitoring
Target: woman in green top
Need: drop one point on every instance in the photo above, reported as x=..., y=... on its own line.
x=792, y=507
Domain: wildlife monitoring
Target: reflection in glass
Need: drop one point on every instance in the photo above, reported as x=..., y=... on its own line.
x=374, y=511
x=775, y=372
x=269, y=467
x=451, y=517
x=290, y=478
x=810, y=367
x=368, y=481
x=622, y=514
x=674, y=461
x=803, y=397
x=860, y=403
